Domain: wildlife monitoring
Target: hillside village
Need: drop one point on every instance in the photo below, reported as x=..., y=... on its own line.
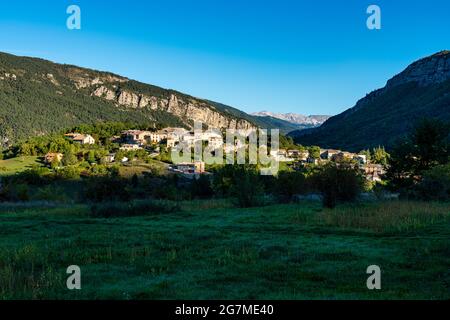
x=152, y=142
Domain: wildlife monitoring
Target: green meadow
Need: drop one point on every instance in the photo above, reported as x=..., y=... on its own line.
x=19, y=164
x=212, y=250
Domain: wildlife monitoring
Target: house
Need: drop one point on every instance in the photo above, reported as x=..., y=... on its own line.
x=342, y=156
x=130, y=147
x=298, y=154
x=327, y=154
x=136, y=136
x=50, y=157
x=214, y=138
x=80, y=138
x=280, y=155
x=374, y=172
x=197, y=167
x=156, y=137
x=293, y=153
x=361, y=159
x=171, y=142
x=312, y=160
x=110, y=157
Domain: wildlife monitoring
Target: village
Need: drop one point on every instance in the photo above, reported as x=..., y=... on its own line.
x=164, y=140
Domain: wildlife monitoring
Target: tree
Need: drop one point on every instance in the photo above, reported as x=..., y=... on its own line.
x=367, y=154
x=247, y=187
x=380, y=156
x=426, y=147
x=290, y=184
x=314, y=152
x=201, y=187
x=69, y=158
x=338, y=183
x=91, y=157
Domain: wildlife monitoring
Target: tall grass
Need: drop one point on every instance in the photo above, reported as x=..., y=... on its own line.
x=386, y=216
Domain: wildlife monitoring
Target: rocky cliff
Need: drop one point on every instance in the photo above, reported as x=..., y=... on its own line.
x=387, y=114
x=430, y=70
x=188, y=109
x=39, y=97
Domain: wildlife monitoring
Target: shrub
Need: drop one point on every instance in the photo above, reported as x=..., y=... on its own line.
x=290, y=184
x=201, y=187
x=50, y=193
x=133, y=208
x=435, y=184
x=15, y=192
x=247, y=187
x=106, y=188
x=338, y=183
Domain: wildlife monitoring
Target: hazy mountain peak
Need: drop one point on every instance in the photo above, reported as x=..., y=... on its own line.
x=311, y=120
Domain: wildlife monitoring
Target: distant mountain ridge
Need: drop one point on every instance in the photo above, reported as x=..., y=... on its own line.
x=387, y=114
x=312, y=120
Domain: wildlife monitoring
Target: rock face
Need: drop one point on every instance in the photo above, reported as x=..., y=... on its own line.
x=427, y=71
x=187, y=109
x=58, y=97
x=385, y=115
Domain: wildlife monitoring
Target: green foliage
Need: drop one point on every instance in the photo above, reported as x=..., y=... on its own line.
x=338, y=183
x=242, y=182
x=380, y=156
x=427, y=146
x=314, y=152
x=106, y=188
x=435, y=184
x=69, y=158
x=201, y=187
x=289, y=184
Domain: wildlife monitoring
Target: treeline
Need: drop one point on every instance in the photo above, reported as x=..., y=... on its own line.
x=419, y=165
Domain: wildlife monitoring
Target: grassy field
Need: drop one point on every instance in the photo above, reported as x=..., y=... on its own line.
x=139, y=168
x=211, y=250
x=15, y=165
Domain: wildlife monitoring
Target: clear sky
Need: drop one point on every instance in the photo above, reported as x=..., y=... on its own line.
x=303, y=56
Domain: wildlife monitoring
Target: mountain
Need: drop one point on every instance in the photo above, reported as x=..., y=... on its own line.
x=383, y=116
x=39, y=97
x=305, y=121
x=265, y=122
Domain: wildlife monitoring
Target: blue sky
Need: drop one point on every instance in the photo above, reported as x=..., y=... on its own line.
x=303, y=56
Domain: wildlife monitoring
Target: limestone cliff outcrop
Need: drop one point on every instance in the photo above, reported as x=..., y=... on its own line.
x=427, y=71
x=185, y=108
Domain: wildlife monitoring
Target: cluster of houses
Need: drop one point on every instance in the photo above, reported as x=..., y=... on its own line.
x=140, y=139
x=372, y=171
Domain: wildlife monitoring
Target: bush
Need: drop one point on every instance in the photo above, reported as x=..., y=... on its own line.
x=131, y=209
x=338, y=183
x=435, y=184
x=247, y=187
x=14, y=192
x=51, y=193
x=290, y=184
x=201, y=187
x=107, y=188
